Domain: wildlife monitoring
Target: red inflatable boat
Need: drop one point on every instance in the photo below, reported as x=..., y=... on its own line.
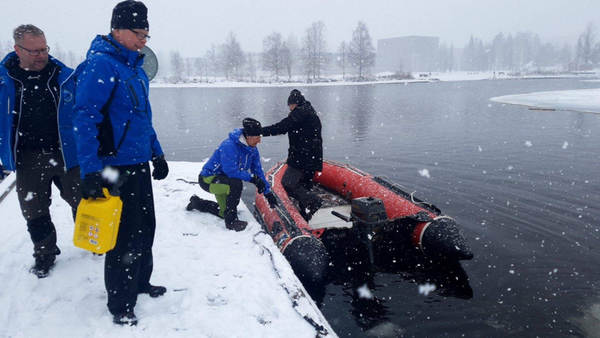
x=359, y=209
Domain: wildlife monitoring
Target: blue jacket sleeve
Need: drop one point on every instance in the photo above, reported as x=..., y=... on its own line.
x=257, y=170
x=93, y=90
x=229, y=158
x=156, y=148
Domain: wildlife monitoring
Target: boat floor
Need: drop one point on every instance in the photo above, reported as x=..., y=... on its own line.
x=323, y=218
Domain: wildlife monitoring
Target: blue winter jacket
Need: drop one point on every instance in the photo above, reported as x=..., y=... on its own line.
x=112, y=114
x=8, y=139
x=233, y=159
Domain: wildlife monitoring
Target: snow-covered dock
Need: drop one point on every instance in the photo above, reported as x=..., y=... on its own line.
x=220, y=283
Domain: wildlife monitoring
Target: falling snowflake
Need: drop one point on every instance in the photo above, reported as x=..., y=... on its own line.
x=364, y=292
x=565, y=145
x=424, y=173
x=426, y=288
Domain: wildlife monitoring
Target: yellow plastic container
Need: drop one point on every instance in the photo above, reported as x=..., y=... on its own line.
x=97, y=223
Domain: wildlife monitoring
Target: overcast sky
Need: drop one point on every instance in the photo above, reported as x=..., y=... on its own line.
x=190, y=26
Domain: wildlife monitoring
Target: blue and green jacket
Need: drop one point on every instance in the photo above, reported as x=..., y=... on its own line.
x=233, y=158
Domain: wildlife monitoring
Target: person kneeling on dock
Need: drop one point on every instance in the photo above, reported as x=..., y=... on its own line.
x=224, y=172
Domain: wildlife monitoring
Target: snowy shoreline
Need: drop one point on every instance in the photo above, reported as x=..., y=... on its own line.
x=220, y=283
x=435, y=77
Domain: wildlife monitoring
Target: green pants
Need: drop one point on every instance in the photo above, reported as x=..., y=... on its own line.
x=228, y=192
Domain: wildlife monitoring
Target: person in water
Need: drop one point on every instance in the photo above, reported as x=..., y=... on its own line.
x=236, y=160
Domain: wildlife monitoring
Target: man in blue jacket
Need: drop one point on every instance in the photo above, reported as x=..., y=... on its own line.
x=225, y=171
x=114, y=133
x=36, y=137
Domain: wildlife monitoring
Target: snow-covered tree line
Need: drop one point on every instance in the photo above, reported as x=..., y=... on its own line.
x=281, y=58
x=522, y=52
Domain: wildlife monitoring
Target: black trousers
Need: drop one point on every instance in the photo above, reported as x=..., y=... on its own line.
x=36, y=172
x=298, y=184
x=228, y=192
x=128, y=267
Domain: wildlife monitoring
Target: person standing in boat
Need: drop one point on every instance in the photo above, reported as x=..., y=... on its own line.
x=305, y=152
x=114, y=133
x=225, y=171
x=36, y=137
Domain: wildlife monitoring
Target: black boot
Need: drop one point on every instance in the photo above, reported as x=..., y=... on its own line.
x=314, y=207
x=127, y=318
x=153, y=291
x=43, y=264
x=236, y=225
x=196, y=203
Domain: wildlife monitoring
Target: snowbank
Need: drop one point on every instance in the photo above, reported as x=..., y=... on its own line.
x=220, y=283
x=583, y=100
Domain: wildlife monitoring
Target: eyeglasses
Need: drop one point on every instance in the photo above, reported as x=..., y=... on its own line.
x=140, y=36
x=36, y=52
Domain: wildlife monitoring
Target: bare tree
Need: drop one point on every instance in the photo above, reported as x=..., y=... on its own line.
x=232, y=57
x=212, y=60
x=287, y=59
x=199, y=65
x=342, y=59
x=251, y=67
x=314, y=49
x=362, y=52
x=58, y=52
x=188, y=67
x=176, y=66
x=72, y=59
x=585, y=45
x=272, y=53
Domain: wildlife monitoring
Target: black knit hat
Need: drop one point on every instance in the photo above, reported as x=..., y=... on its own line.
x=251, y=127
x=296, y=97
x=130, y=15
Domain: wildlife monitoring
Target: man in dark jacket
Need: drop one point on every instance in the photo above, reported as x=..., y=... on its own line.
x=114, y=133
x=225, y=171
x=36, y=137
x=305, y=152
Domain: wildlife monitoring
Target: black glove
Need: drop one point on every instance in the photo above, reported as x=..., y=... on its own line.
x=272, y=200
x=258, y=182
x=161, y=169
x=92, y=186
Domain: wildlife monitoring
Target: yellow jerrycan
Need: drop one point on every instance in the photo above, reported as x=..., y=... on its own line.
x=97, y=222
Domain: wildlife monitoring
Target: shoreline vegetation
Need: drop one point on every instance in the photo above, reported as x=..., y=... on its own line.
x=384, y=78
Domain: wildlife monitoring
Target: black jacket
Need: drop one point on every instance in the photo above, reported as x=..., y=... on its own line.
x=303, y=127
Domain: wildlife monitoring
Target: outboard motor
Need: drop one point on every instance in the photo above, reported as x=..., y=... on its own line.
x=366, y=213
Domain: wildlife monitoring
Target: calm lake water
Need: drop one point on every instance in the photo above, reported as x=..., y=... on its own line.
x=524, y=185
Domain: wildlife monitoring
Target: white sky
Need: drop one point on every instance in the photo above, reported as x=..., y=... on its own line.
x=190, y=26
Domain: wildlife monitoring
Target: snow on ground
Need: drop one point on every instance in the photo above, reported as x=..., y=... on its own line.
x=220, y=283
x=582, y=100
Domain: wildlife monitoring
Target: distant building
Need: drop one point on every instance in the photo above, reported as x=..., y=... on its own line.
x=407, y=54
x=574, y=66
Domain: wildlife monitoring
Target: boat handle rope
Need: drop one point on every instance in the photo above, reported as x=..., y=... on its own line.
x=412, y=194
x=321, y=330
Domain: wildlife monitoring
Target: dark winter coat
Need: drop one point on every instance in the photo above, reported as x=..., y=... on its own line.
x=113, y=117
x=8, y=101
x=233, y=158
x=303, y=127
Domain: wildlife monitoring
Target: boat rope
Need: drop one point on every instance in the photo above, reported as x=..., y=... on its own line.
x=292, y=294
x=403, y=188
x=186, y=181
x=10, y=188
